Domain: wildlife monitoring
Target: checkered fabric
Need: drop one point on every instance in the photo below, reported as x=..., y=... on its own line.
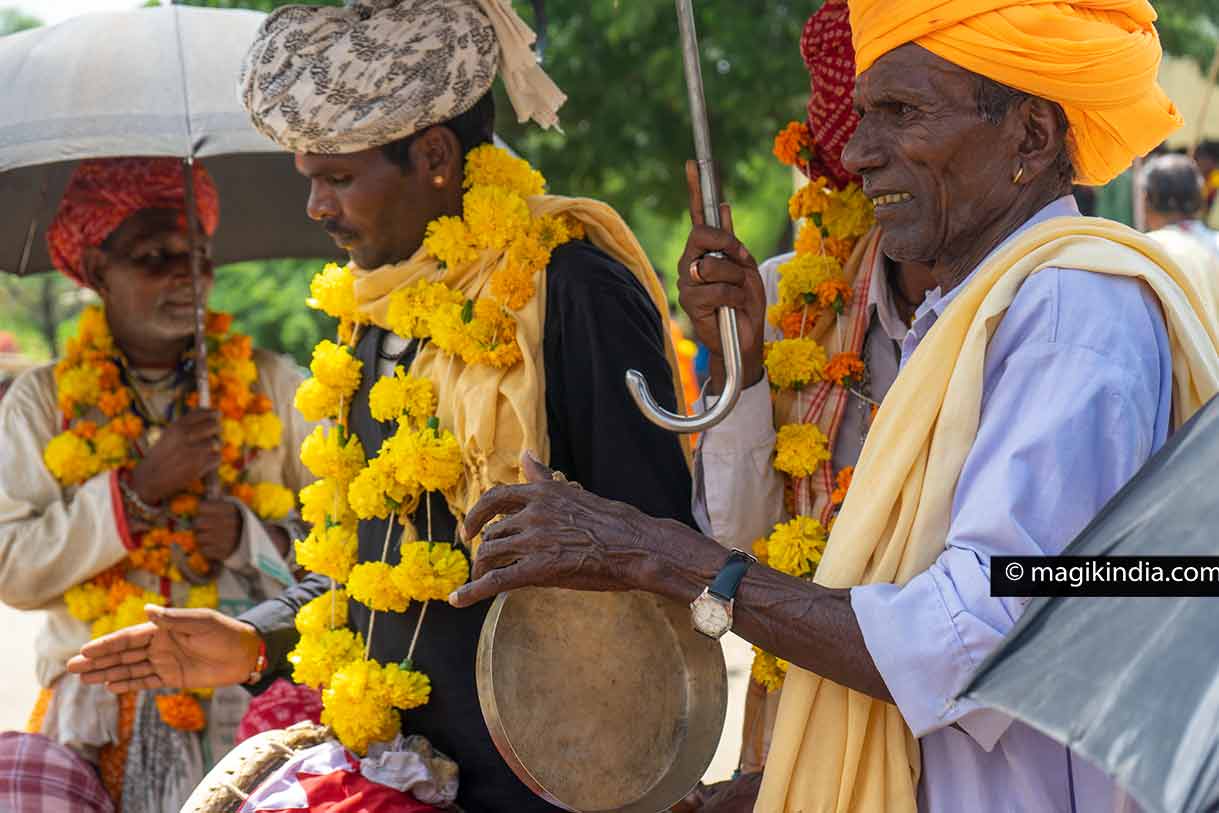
x=38, y=775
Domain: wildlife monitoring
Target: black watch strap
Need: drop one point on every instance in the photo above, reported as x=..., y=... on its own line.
x=730, y=575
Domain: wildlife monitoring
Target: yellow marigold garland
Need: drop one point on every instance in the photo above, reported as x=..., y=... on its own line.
x=88, y=382
x=810, y=283
x=360, y=695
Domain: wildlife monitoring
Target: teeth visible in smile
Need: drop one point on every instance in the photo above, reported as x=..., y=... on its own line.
x=896, y=197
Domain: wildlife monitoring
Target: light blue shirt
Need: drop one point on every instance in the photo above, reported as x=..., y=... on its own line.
x=1077, y=394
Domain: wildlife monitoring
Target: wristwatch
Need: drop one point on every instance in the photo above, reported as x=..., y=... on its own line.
x=711, y=612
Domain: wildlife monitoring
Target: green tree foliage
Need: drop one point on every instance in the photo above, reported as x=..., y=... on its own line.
x=13, y=20
x=1189, y=28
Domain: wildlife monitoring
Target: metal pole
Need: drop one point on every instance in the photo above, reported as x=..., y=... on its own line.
x=726, y=317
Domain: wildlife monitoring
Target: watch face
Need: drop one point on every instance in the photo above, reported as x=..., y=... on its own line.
x=710, y=616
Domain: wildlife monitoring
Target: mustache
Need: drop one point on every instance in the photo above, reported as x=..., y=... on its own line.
x=336, y=229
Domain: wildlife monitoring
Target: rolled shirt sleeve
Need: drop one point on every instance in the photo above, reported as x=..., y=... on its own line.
x=1077, y=396
x=738, y=494
x=51, y=538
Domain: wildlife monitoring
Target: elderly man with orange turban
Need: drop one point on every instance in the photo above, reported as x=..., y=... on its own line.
x=102, y=504
x=1055, y=355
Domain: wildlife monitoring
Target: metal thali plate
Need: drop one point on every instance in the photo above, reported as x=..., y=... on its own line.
x=601, y=701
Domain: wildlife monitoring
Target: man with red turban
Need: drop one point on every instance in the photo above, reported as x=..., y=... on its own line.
x=102, y=501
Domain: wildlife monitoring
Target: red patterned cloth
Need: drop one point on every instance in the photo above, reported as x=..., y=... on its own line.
x=38, y=775
x=104, y=192
x=282, y=704
x=830, y=57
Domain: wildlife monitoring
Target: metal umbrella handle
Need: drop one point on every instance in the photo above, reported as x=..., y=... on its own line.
x=635, y=381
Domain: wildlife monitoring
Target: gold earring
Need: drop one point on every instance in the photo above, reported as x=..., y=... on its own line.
x=437, y=181
x=1019, y=174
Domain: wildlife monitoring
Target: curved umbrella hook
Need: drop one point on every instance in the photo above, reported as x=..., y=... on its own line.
x=635, y=381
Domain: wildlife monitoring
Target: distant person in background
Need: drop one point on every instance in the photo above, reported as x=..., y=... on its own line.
x=102, y=504
x=1175, y=197
x=1207, y=156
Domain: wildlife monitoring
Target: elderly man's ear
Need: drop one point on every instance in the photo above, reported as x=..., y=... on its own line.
x=1045, y=133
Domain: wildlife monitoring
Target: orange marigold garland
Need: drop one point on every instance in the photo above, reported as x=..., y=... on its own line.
x=89, y=381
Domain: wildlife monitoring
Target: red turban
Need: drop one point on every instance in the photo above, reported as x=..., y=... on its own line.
x=104, y=192
x=830, y=57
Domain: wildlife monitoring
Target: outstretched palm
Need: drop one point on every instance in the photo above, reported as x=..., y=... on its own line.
x=177, y=649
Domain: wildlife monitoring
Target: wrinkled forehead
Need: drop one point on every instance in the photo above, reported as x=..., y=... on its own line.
x=912, y=73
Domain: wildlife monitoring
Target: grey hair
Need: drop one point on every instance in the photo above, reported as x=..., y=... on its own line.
x=1174, y=185
x=995, y=101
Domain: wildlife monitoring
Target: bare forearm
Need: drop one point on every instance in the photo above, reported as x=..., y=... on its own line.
x=809, y=625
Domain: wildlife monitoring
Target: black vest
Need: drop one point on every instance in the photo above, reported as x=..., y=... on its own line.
x=452, y=719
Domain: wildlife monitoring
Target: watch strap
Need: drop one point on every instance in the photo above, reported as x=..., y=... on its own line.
x=729, y=578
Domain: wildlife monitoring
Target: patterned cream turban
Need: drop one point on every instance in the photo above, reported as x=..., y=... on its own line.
x=321, y=79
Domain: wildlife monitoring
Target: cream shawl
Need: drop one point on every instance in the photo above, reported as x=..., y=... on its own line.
x=838, y=750
x=498, y=413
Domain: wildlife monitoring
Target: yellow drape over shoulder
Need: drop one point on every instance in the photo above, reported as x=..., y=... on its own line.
x=496, y=413
x=838, y=750
x=1096, y=58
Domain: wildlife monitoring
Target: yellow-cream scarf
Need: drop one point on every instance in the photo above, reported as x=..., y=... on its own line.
x=497, y=413
x=835, y=749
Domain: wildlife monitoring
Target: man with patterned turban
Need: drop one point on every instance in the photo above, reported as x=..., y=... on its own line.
x=516, y=313
x=102, y=500
x=1055, y=355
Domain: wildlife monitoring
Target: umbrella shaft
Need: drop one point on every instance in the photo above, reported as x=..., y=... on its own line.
x=698, y=111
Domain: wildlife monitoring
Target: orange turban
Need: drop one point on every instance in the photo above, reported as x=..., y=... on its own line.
x=1096, y=58
x=103, y=192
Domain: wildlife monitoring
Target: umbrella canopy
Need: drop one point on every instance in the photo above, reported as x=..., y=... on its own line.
x=1131, y=683
x=150, y=82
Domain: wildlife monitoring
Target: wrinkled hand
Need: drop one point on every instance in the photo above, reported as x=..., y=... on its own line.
x=218, y=529
x=188, y=451
x=186, y=649
x=733, y=281
x=553, y=534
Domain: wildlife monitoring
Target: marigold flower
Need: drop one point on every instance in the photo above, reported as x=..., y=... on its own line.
x=495, y=216
x=330, y=551
x=326, y=455
x=203, y=596
x=795, y=547
x=325, y=500
x=185, y=505
x=812, y=198
x=449, y=240
x=490, y=166
x=792, y=144
x=70, y=458
x=332, y=291
x=794, y=363
x=326, y=612
x=844, y=369
x=262, y=431
x=430, y=571
x=86, y=602
x=181, y=711
x=768, y=670
x=411, y=309
x=317, y=657
x=371, y=585
x=393, y=396
x=800, y=449
x=843, y=482
x=271, y=501
x=217, y=324
x=336, y=367
x=801, y=276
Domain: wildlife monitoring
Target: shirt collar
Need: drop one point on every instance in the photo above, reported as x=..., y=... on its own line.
x=881, y=303
x=936, y=303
